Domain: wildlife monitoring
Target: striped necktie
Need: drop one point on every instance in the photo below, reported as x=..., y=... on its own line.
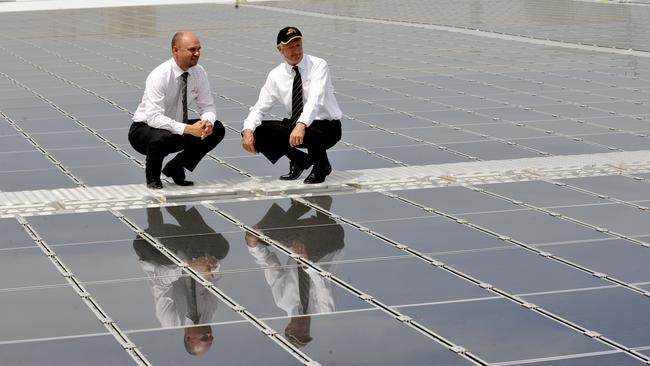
x=296, y=97
x=184, y=94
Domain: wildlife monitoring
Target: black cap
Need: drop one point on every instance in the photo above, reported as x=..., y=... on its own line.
x=288, y=34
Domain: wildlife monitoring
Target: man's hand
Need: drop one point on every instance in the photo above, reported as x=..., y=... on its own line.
x=205, y=265
x=251, y=240
x=206, y=129
x=195, y=129
x=248, y=141
x=297, y=134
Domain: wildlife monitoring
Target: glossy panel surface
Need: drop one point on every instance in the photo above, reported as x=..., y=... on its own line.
x=517, y=271
x=102, y=350
x=34, y=179
x=368, y=207
x=233, y=344
x=161, y=302
x=282, y=291
x=541, y=194
x=498, y=330
x=354, y=338
x=561, y=146
x=420, y=155
x=603, y=360
x=629, y=220
x=27, y=267
x=621, y=259
x=14, y=235
x=617, y=313
x=457, y=200
x=435, y=235
x=385, y=279
x=46, y=312
x=533, y=227
x=88, y=227
x=623, y=188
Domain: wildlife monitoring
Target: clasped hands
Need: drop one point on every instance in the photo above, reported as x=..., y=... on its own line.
x=296, y=138
x=202, y=129
x=205, y=264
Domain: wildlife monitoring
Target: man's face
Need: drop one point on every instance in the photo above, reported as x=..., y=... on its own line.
x=292, y=51
x=198, y=340
x=187, y=51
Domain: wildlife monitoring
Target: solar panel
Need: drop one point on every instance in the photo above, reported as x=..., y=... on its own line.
x=488, y=204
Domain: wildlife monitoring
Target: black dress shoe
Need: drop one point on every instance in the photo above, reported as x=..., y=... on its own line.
x=177, y=175
x=154, y=184
x=318, y=175
x=296, y=168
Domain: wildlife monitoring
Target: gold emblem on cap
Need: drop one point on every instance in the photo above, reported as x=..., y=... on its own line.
x=290, y=31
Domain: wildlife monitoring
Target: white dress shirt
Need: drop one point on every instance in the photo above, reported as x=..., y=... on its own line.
x=170, y=287
x=161, y=105
x=283, y=281
x=318, y=93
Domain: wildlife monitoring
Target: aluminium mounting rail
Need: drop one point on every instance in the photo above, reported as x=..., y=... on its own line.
x=39, y=202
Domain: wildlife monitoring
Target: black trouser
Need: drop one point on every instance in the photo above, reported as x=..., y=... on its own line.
x=272, y=140
x=157, y=143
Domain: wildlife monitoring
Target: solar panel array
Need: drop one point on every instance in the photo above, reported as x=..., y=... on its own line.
x=544, y=272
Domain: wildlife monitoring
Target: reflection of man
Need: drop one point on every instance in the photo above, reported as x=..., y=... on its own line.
x=179, y=300
x=296, y=289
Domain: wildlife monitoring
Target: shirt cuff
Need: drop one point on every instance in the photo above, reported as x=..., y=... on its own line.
x=209, y=116
x=259, y=252
x=250, y=125
x=178, y=128
x=304, y=118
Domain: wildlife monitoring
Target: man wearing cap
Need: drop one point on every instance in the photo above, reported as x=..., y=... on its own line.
x=160, y=124
x=303, y=86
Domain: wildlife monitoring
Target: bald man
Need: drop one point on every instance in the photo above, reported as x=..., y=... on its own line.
x=160, y=124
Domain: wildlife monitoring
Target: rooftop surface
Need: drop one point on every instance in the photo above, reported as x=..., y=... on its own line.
x=489, y=205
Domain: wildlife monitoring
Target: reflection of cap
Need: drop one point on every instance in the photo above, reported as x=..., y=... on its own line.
x=298, y=343
x=288, y=34
x=297, y=331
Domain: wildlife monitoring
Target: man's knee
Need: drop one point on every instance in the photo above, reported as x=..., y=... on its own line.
x=323, y=138
x=337, y=133
x=218, y=133
x=163, y=143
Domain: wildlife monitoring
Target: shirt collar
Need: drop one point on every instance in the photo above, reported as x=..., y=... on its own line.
x=177, y=70
x=302, y=65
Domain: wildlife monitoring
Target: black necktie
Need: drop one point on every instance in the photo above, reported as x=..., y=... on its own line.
x=296, y=96
x=184, y=94
x=304, y=286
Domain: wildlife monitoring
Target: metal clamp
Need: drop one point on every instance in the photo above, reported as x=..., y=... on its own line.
x=404, y=318
x=458, y=349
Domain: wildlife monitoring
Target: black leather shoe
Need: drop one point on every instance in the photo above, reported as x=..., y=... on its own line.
x=318, y=175
x=177, y=175
x=154, y=184
x=296, y=168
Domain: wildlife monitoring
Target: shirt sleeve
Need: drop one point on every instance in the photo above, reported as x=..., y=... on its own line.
x=265, y=101
x=316, y=99
x=154, y=91
x=204, y=100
